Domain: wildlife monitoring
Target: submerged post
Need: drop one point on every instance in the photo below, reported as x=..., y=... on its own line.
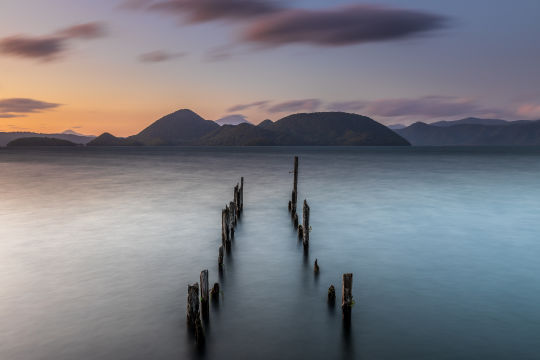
x=346, y=296
x=305, y=225
x=214, y=293
x=316, y=267
x=204, y=292
x=331, y=295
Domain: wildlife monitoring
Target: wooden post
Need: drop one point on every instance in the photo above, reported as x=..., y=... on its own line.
x=300, y=232
x=204, y=292
x=220, y=257
x=225, y=226
x=214, y=293
x=331, y=295
x=305, y=224
x=346, y=296
x=232, y=213
x=295, y=220
x=241, y=194
x=294, y=195
x=236, y=200
x=316, y=267
x=193, y=304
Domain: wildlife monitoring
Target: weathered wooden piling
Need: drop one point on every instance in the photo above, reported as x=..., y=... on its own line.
x=236, y=200
x=300, y=232
x=294, y=194
x=331, y=295
x=241, y=194
x=233, y=214
x=305, y=224
x=220, y=257
x=346, y=296
x=193, y=313
x=225, y=226
x=295, y=220
x=214, y=293
x=316, y=267
x=204, y=292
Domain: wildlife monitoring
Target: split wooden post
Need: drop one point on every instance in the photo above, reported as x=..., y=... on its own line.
x=204, y=292
x=305, y=225
x=346, y=296
x=220, y=257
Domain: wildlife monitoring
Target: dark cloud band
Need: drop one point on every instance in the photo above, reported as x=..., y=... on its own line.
x=18, y=107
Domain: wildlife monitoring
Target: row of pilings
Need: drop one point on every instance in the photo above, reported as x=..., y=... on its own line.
x=199, y=305
x=303, y=234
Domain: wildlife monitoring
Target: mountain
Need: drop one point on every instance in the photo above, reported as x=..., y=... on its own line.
x=325, y=129
x=182, y=127
x=107, y=139
x=471, y=121
x=6, y=137
x=232, y=120
x=518, y=133
x=39, y=141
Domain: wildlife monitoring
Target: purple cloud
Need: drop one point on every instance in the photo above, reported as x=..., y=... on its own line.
x=92, y=30
x=296, y=105
x=160, y=56
x=354, y=24
x=18, y=107
x=47, y=48
x=195, y=11
x=241, y=107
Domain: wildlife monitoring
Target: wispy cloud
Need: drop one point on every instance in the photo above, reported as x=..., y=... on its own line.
x=295, y=105
x=196, y=11
x=49, y=47
x=160, y=56
x=241, y=107
x=19, y=107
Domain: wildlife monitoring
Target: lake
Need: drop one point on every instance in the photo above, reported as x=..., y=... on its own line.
x=98, y=246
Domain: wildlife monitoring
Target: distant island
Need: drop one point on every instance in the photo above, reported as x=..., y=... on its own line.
x=185, y=127
x=70, y=135
x=39, y=141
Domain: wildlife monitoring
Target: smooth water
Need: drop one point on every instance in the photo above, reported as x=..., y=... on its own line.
x=97, y=247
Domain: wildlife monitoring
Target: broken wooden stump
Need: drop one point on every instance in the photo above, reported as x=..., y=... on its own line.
x=295, y=220
x=305, y=225
x=220, y=257
x=346, y=296
x=232, y=214
x=214, y=293
x=331, y=295
x=290, y=207
x=300, y=232
x=193, y=305
x=204, y=293
x=316, y=267
x=294, y=194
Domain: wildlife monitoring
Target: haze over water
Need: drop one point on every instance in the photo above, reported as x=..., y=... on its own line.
x=97, y=247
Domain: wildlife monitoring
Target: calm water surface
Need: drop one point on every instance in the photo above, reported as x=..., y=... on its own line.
x=97, y=247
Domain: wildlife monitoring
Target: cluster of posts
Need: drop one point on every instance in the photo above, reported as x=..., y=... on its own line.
x=303, y=234
x=229, y=218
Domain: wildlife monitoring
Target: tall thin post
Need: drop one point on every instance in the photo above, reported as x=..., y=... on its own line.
x=305, y=225
x=204, y=292
x=294, y=195
x=241, y=194
x=346, y=296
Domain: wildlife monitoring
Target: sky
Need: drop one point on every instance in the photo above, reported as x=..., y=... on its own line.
x=118, y=65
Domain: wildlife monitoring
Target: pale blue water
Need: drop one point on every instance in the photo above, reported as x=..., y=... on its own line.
x=97, y=247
